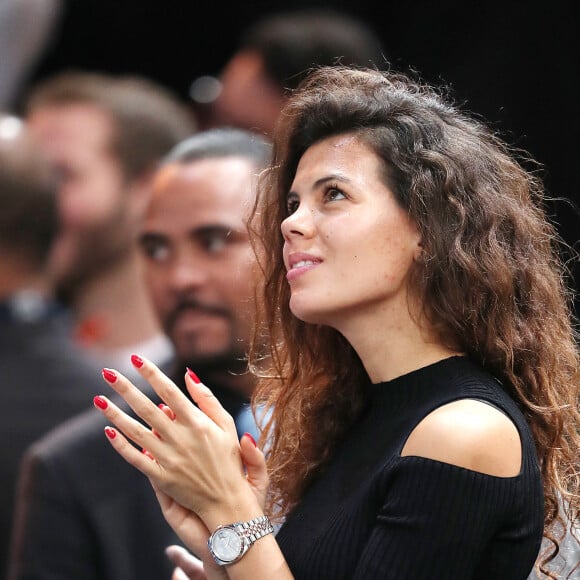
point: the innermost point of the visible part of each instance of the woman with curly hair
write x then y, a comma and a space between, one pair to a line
420, 375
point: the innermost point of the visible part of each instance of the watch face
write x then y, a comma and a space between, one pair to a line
227, 544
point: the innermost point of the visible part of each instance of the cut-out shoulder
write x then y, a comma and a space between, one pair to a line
471, 434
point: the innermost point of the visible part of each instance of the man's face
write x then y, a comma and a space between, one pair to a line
199, 264
92, 201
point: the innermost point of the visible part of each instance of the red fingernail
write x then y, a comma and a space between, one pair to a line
110, 432
100, 402
193, 376
251, 438
168, 410
109, 375
137, 361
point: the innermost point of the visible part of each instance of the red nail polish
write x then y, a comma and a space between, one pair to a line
109, 375
110, 432
251, 438
193, 376
167, 410
100, 402
137, 361
146, 453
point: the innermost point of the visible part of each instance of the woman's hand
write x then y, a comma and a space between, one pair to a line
197, 457
188, 567
187, 525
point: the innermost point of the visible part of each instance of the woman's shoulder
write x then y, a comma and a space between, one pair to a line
468, 433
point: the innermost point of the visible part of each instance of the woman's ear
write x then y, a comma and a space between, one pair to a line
419, 252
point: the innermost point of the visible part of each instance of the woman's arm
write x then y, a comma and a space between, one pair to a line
197, 469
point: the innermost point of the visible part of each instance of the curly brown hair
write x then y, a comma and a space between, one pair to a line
494, 280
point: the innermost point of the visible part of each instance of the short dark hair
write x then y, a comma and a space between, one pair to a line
28, 205
221, 142
295, 41
148, 119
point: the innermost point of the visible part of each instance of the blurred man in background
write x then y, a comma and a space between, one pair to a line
273, 56
200, 269
106, 135
45, 378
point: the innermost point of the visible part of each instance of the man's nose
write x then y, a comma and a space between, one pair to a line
188, 273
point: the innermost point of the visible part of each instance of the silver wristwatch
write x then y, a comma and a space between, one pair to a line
229, 543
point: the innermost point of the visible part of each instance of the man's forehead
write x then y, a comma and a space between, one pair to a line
221, 184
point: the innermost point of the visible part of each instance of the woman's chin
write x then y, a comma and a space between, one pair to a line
307, 313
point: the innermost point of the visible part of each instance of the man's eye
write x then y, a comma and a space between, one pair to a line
156, 252
216, 243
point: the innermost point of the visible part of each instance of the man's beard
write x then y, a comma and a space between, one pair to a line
232, 356
234, 363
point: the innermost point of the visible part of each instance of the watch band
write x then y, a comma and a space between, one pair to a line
255, 529
248, 533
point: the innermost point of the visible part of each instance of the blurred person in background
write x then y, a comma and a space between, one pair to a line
273, 56
105, 135
27, 29
199, 269
35, 332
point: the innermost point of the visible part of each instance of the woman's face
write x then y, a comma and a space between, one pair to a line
348, 245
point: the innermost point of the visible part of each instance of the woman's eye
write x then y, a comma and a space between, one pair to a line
333, 194
292, 206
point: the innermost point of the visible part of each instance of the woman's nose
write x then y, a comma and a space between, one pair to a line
299, 223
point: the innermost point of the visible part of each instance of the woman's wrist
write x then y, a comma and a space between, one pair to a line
241, 510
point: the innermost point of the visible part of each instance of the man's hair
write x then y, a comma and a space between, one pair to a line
28, 204
295, 41
148, 119
221, 142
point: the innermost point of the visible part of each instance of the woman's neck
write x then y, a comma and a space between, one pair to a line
392, 342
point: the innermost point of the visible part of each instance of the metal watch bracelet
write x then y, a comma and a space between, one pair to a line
229, 543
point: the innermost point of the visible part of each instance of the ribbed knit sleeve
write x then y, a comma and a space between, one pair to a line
437, 521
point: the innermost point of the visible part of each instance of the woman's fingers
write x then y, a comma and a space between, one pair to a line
127, 427
208, 403
141, 460
167, 410
171, 395
138, 401
179, 574
188, 567
255, 464
167, 390
188, 564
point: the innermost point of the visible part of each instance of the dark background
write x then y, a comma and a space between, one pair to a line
515, 63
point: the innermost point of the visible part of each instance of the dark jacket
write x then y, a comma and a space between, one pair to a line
45, 379
86, 514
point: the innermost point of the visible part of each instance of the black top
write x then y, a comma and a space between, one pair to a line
375, 514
